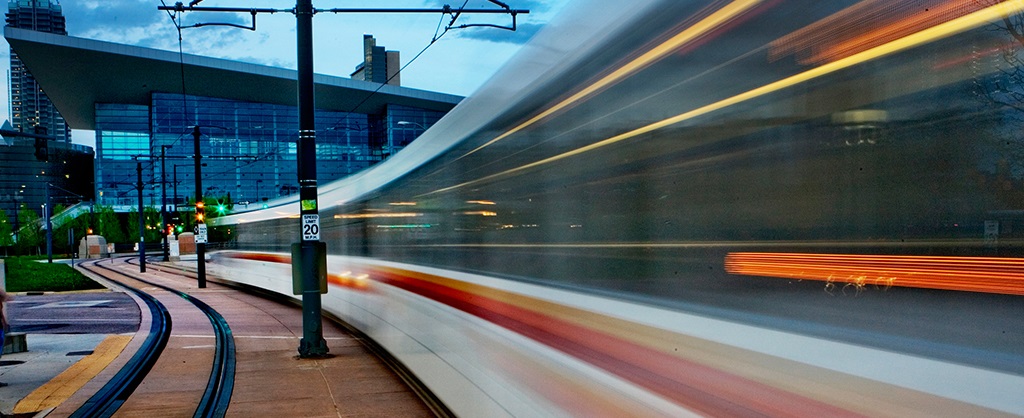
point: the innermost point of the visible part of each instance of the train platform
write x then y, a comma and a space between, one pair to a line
65, 365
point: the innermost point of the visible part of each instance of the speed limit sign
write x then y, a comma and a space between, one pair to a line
310, 227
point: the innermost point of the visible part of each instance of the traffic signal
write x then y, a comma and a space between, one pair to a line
42, 152
200, 213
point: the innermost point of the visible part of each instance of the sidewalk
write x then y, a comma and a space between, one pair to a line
48, 355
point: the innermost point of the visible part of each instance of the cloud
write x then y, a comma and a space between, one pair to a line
522, 34
94, 16
527, 25
134, 22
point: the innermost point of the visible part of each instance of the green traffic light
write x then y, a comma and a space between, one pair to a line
221, 209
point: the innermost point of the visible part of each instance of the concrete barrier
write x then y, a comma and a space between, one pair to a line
14, 342
93, 246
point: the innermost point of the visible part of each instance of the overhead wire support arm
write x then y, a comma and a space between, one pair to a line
445, 10
455, 13
179, 7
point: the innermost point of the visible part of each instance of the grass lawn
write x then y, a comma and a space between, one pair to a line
26, 274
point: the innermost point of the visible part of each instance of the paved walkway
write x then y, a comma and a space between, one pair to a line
270, 379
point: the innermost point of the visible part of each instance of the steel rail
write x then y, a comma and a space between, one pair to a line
219, 387
106, 401
432, 401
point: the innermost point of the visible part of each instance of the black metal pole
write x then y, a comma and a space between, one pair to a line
49, 226
142, 222
163, 200
310, 250
200, 232
177, 201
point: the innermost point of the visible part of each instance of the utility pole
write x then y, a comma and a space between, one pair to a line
142, 221
200, 230
163, 199
309, 255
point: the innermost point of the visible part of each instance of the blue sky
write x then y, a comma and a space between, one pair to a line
458, 63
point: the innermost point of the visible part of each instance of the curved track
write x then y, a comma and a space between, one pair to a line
109, 398
217, 395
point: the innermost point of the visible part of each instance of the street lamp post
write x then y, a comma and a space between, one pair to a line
142, 221
405, 122
258, 190
391, 144
163, 199
49, 226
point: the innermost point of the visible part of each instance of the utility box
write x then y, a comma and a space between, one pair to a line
309, 254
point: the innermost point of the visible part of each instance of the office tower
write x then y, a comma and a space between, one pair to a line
29, 105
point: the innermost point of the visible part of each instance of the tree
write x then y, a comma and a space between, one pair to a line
31, 234
109, 226
151, 220
6, 232
79, 226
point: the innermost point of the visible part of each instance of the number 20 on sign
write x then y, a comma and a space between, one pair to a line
310, 227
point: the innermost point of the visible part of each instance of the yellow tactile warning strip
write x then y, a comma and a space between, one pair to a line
60, 388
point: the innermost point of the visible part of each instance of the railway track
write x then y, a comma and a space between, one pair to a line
217, 395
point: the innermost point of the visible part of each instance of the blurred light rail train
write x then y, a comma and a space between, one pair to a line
729, 207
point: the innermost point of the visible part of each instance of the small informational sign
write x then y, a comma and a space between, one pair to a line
311, 227
991, 233
201, 234
309, 204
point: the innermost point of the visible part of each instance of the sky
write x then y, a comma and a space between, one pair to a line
458, 63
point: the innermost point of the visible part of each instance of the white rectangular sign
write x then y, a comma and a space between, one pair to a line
310, 227
201, 234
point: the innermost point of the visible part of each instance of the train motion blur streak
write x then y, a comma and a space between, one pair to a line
602, 228
972, 274
919, 38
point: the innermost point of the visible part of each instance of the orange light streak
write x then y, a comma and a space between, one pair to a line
711, 22
969, 274
378, 215
866, 25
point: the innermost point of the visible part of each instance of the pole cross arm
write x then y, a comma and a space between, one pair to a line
179, 7
444, 10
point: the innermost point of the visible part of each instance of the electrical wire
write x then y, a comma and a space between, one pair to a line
433, 40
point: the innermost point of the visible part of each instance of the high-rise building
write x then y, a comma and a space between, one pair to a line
31, 110
379, 65
246, 113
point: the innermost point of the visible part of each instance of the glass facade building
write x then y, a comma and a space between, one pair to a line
24, 179
31, 109
249, 149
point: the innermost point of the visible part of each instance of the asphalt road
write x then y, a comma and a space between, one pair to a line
74, 313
